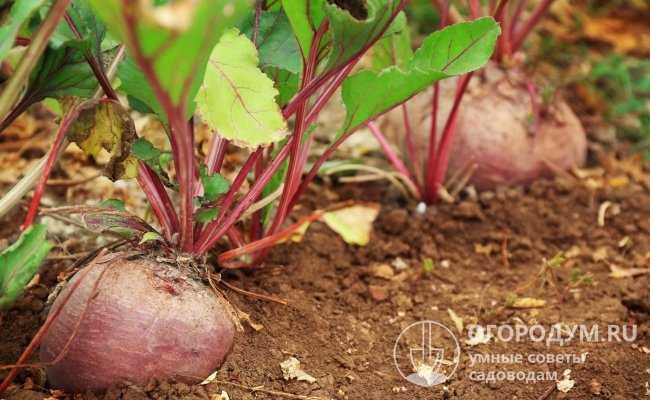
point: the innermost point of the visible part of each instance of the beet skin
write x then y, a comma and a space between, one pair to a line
147, 320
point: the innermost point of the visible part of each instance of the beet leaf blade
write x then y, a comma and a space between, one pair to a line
455, 50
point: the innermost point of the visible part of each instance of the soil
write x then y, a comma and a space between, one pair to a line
347, 304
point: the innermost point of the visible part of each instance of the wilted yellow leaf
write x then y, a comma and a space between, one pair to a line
354, 223
619, 272
528, 302
458, 321
107, 126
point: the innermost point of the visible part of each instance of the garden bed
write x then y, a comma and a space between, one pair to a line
346, 308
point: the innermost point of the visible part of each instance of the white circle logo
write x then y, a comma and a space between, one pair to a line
426, 353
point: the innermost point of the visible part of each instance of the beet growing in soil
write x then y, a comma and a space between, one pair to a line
161, 320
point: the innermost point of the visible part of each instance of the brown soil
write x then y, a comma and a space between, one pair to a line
342, 320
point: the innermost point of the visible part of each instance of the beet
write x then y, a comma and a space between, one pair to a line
146, 320
497, 131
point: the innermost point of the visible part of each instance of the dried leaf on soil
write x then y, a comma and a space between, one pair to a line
624, 34
354, 223
210, 378
619, 272
566, 383
458, 321
528, 302
291, 370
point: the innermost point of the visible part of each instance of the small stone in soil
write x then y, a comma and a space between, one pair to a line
383, 271
595, 387
378, 293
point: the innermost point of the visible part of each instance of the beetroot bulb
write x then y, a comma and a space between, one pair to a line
142, 320
498, 132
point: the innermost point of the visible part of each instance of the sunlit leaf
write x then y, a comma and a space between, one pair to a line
174, 39
236, 98
150, 237
354, 223
20, 261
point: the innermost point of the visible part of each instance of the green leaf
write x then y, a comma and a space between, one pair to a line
279, 52
305, 16
105, 125
143, 150
136, 86
459, 48
455, 50
286, 83
150, 237
394, 48
276, 44
236, 98
213, 186
206, 215
19, 14
91, 29
20, 261
115, 204
61, 72
175, 39
352, 31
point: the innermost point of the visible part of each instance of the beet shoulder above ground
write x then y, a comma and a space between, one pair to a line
511, 135
143, 320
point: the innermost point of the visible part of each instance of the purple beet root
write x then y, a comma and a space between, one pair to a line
508, 144
498, 133
146, 320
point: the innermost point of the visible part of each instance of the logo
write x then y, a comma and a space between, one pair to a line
426, 353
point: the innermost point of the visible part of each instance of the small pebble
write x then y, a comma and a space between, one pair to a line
421, 208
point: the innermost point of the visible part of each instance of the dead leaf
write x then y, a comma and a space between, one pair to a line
566, 383
291, 370
619, 181
210, 378
354, 223
458, 321
528, 302
600, 254
573, 252
399, 264
626, 35
619, 272
484, 249
106, 126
